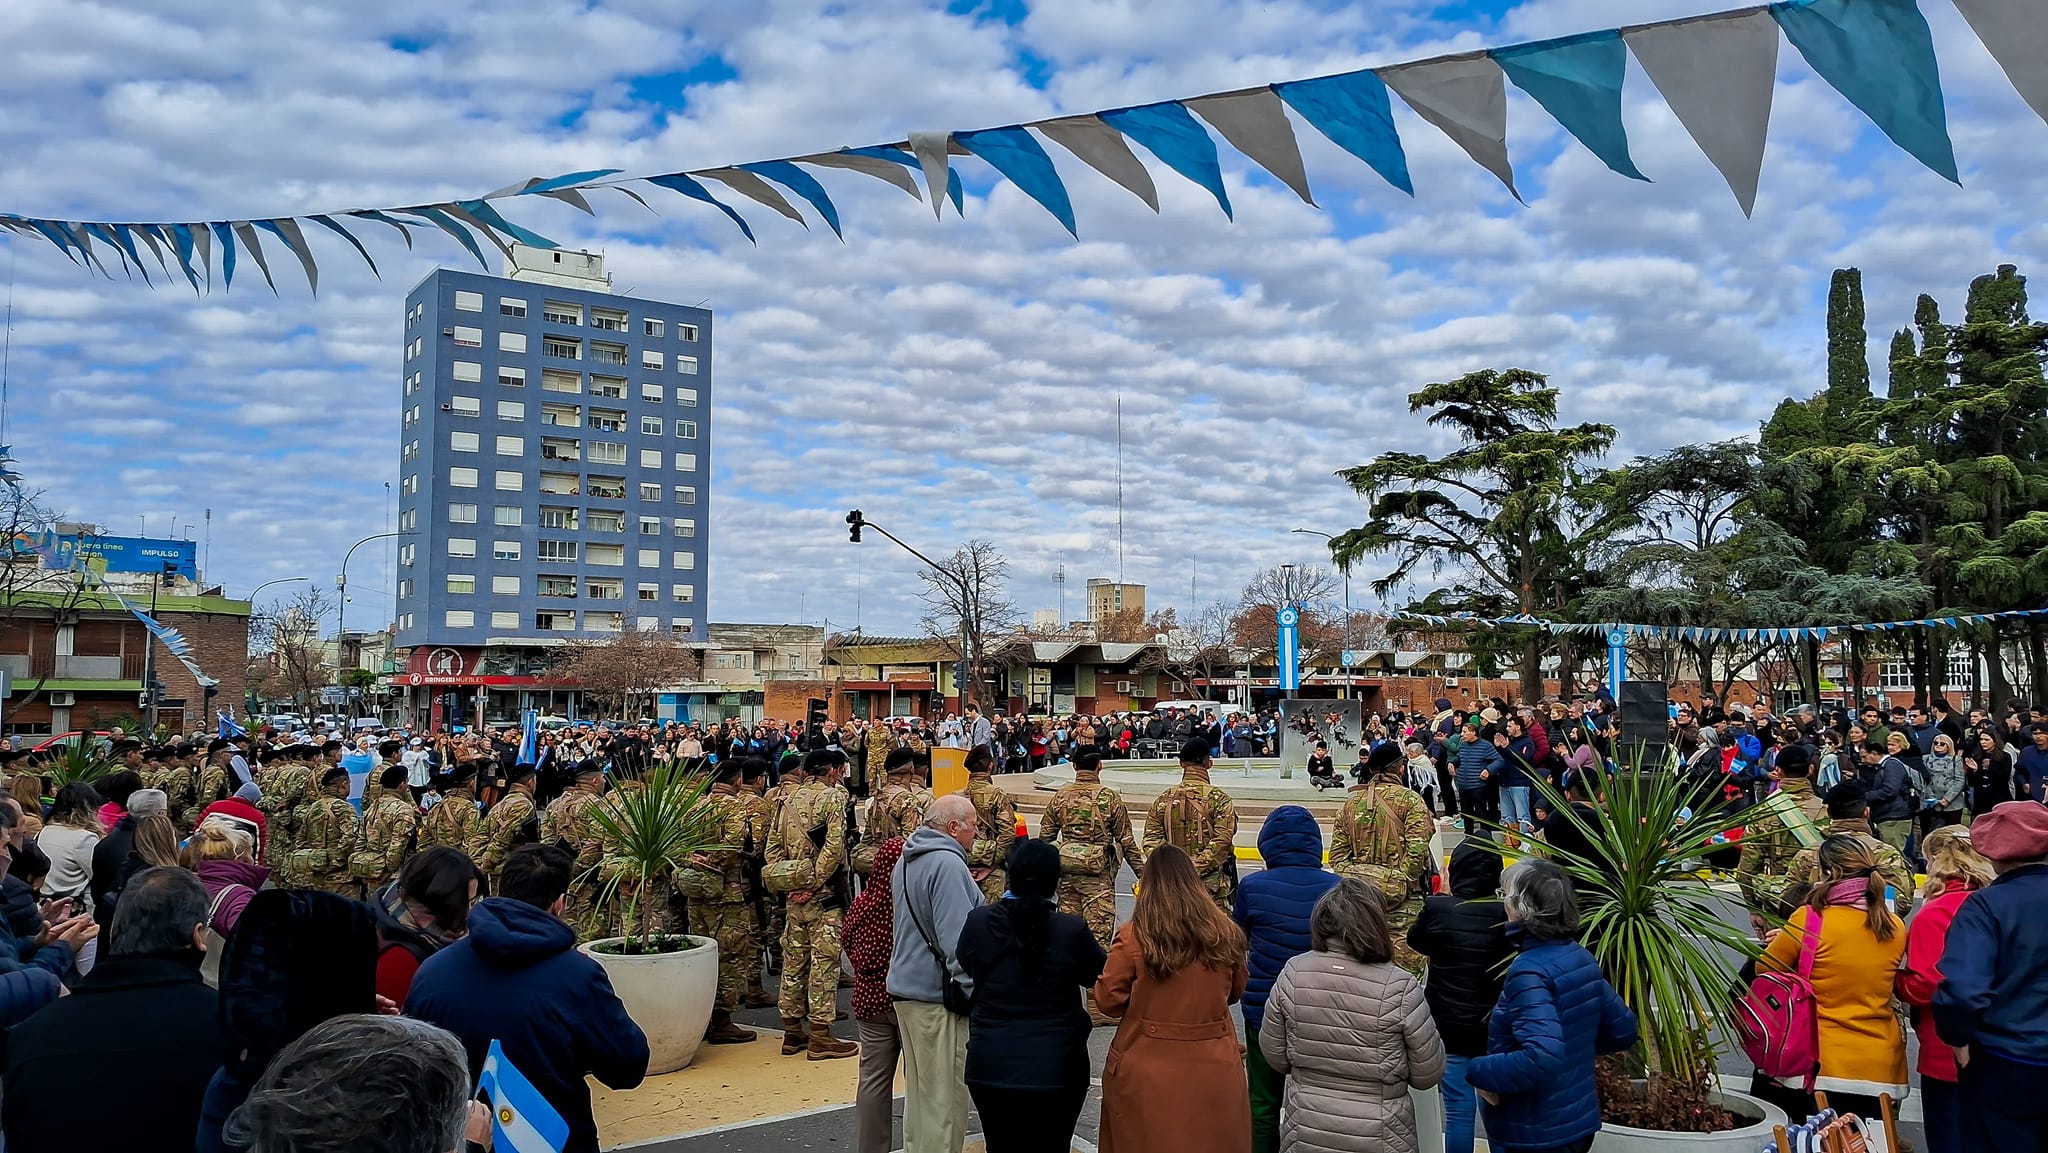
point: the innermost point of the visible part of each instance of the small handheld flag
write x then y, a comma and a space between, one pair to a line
529, 741
228, 728
522, 1121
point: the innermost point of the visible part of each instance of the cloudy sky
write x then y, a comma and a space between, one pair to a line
953, 379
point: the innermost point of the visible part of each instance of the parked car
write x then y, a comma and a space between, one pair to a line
66, 740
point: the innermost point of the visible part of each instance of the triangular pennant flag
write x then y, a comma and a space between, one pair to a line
890, 164
803, 184
226, 236
931, 150
246, 233
449, 225
1718, 75
1016, 154
1466, 97
1255, 123
756, 189
1170, 133
1102, 148
1880, 56
557, 183
688, 187
2017, 37
181, 235
404, 231
329, 223
287, 230
1354, 112
486, 216
458, 212
1577, 79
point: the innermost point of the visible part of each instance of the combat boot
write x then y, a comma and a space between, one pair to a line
757, 997
722, 1031
792, 1036
825, 1047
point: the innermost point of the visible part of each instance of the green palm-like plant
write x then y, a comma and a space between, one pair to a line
82, 762
1659, 934
652, 823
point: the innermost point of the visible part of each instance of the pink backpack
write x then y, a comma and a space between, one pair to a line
1779, 1019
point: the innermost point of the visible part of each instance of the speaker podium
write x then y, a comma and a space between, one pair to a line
1645, 726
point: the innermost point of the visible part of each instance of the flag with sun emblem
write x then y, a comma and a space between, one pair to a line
522, 1121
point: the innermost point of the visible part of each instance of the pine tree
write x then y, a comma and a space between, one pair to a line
1848, 364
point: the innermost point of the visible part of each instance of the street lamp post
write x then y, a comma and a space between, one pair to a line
341, 583
249, 694
1346, 573
856, 522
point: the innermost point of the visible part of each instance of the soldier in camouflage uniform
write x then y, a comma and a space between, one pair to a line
725, 916
454, 820
881, 742
504, 827
811, 826
896, 809
1381, 837
766, 907
328, 829
180, 787
289, 787
388, 833
1201, 820
995, 816
1083, 820
1770, 843
567, 823
1849, 812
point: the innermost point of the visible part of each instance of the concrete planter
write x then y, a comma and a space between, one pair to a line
1753, 1119
669, 995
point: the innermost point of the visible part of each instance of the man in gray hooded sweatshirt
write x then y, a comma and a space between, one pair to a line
934, 892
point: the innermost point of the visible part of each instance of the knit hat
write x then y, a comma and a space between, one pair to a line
1384, 755
148, 803
1034, 869
2012, 831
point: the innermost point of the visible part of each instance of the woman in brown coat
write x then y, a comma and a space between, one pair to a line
1174, 1078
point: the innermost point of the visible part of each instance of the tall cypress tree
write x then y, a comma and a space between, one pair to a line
1848, 365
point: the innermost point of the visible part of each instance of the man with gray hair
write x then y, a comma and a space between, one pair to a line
933, 893
363, 1084
142, 1019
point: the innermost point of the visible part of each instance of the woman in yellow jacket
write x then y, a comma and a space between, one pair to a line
1862, 1046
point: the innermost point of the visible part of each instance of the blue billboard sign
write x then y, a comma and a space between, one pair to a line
120, 554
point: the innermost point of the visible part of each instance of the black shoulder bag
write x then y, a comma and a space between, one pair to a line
956, 999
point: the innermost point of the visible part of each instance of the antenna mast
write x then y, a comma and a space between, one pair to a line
1119, 488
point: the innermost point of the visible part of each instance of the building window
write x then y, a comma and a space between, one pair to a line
462, 441
467, 371
682, 624
607, 420
651, 493
686, 462
607, 520
461, 583
687, 429
608, 319
412, 416
461, 514
603, 622
555, 622
411, 453
649, 558
605, 590
511, 410
459, 619
729, 661
559, 448
647, 592
687, 397
508, 516
461, 546
650, 426
410, 485
687, 365
561, 348
552, 380
561, 415
683, 594
686, 560
608, 555
686, 528
504, 550
406, 553
650, 327
505, 586
651, 393
555, 550
405, 589
469, 302
610, 387
502, 620
510, 481
560, 483
555, 312
552, 516
557, 586
405, 622
465, 406
607, 487
511, 446
603, 353
511, 377
512, 342
467, 337
686, 494
412, 384
687, 333
606, 452
650, 458
650, 526
652, 360
507, 306
462, 478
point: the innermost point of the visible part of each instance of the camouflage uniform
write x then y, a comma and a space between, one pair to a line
1805, 869
181, 794
388, 831
1091, 813
1381, 836
498, 834
896, 809
567, 823
1769, 846
881, 742
292, 786
810, 939
767, 914
727, 918
995, 816
1201, 819
452, 822
327, 837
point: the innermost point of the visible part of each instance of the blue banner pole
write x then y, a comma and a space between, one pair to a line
1617, 662
1290, 650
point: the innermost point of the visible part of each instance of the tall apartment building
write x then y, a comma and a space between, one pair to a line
1107, 597
554, 462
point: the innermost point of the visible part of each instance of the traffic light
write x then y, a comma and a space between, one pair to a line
853, 524
814, 717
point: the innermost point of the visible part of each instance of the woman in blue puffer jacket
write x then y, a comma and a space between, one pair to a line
1273, 907
1556, 1013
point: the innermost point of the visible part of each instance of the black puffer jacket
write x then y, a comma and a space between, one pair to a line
1464, 935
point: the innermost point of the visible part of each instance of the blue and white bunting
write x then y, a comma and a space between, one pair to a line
1695, 634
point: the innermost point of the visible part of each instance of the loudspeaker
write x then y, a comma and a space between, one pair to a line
1645, 724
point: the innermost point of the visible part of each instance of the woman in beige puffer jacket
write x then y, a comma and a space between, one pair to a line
1352, 1033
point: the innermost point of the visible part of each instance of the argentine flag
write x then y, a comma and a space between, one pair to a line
529, 740
228, 727
522, 1121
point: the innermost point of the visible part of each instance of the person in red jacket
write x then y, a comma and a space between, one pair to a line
1954, 871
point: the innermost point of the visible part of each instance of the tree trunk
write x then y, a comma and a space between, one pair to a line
1855, 671
1994, 664
1532, 669
1921, 663
2037, 658
1809, 672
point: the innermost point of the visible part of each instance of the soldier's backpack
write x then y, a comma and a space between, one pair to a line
1084, 835
797, 873
1188, 822
1376, 835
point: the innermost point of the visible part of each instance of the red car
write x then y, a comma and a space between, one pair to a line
71, 738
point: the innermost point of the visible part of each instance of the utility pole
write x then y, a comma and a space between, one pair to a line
856, 522
1345, 655
341, 613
